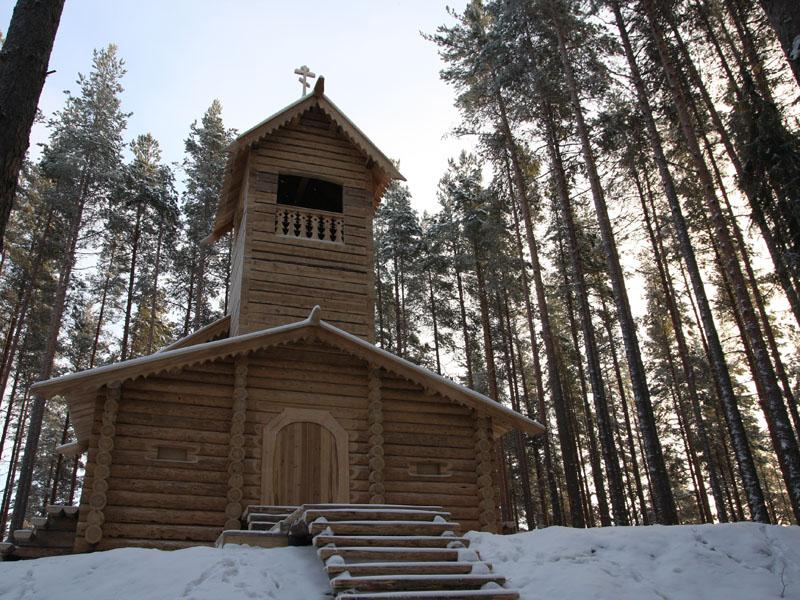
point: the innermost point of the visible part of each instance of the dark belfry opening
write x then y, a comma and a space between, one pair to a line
307, 192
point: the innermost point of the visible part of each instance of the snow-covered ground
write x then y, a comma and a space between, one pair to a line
727, 562
742, 561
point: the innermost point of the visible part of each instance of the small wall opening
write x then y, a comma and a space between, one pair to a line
173, 454
307, 192
430, 468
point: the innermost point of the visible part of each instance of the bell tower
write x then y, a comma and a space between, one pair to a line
300, 192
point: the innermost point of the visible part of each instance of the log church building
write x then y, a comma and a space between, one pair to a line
286, 400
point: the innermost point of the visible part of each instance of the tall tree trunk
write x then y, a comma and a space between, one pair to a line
784, 16
154, 300
568, 450
610, 458
513, 393
23, 69
398, 317
733, 418
594, 455
791, 401
9, 413
683, 347
187, 319
623, 397
29, 287
491, 378
12, 465
137, 228
379, 307
435, 324
666, 512
552, 485
465, 330
777, 418
48, 357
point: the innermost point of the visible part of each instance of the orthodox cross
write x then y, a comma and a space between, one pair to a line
305, 74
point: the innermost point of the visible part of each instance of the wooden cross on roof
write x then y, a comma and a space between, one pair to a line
305, 74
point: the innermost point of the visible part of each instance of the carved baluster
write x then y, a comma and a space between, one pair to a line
313, 225
338, 231
321, 228
296, 226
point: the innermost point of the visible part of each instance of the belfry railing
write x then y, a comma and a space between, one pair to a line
309, 224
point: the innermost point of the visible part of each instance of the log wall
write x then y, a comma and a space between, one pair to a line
164, 502
405, 446
282, 278
310, 376
424, 434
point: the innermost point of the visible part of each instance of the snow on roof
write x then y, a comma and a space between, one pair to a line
80, 388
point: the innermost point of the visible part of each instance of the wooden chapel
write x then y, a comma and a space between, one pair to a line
282, 402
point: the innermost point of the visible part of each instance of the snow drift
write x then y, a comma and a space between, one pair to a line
743, 561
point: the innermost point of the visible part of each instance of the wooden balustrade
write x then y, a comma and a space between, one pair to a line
309, 224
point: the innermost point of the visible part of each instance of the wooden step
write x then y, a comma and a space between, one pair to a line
261, 517
404, 583
39, 522
268, 509
406, 568
45, 538
394, 541
487, 594
424, 528
61, 510
23, 536
261, 525
363, 514
387, 554
26, 552
373, 506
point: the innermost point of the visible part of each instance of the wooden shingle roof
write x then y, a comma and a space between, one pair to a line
80, 389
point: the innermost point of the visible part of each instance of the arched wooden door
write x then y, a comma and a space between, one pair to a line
305, 467
305, 459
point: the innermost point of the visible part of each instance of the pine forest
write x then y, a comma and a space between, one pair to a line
615, 253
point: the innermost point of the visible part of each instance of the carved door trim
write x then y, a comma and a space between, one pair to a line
322, 418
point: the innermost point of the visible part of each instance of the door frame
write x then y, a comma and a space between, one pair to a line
322, 418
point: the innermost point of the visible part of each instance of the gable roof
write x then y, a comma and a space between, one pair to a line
382, 167
81, 388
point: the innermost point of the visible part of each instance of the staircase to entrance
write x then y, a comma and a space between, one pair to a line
379, 551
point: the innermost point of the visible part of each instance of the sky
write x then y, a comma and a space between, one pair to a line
181, 54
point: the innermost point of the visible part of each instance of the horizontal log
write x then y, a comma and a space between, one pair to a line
305, 156
326, 271
168, 403
132, 514
192, 424
167, 486
309, 169
192, 533
427, 451
191, 502
148, 446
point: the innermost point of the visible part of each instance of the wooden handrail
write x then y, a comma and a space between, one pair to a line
309, 224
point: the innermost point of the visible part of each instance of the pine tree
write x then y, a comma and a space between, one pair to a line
204, 266
82, 158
